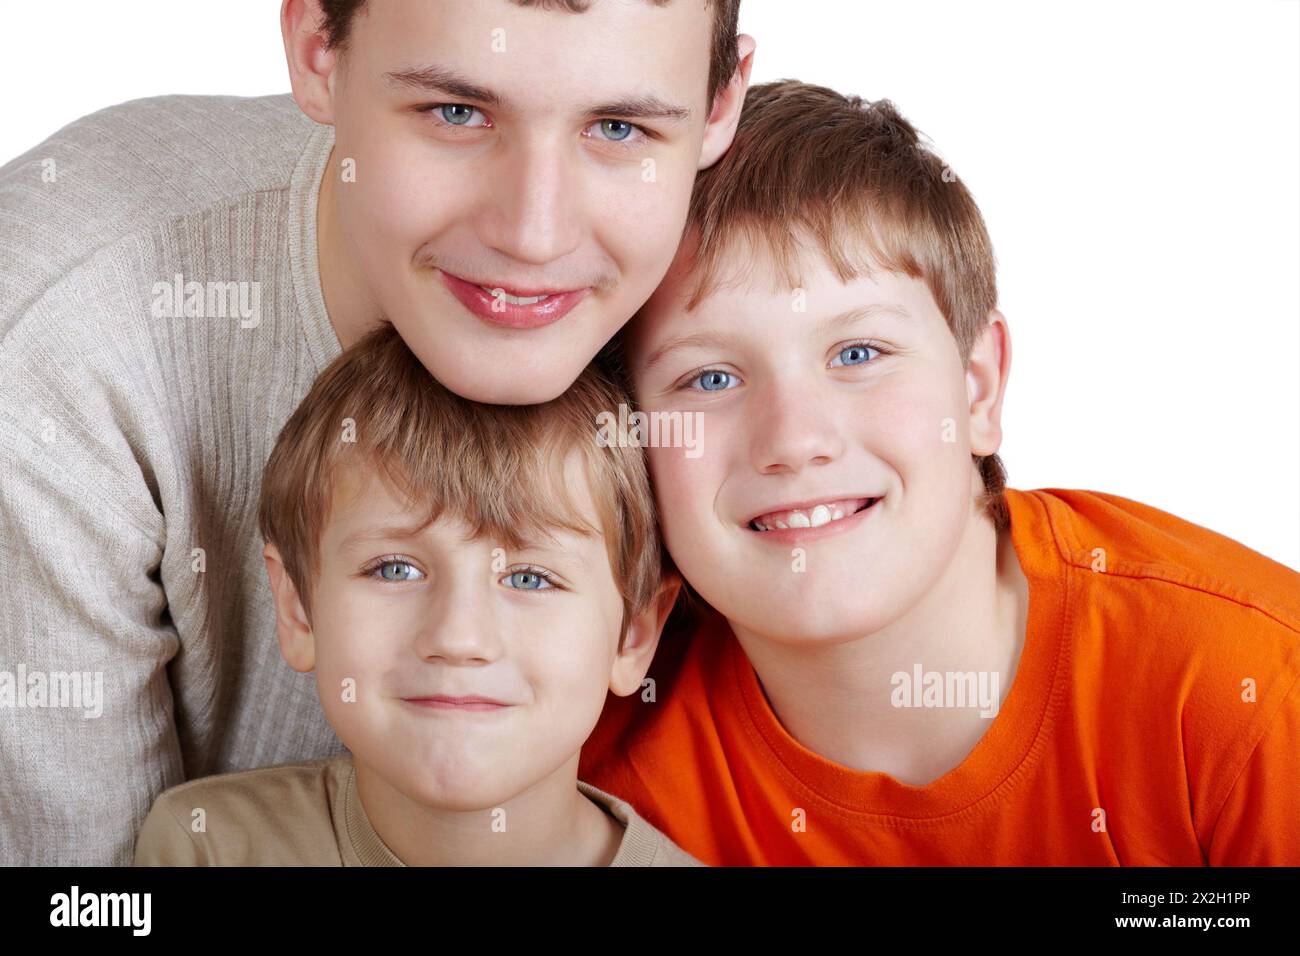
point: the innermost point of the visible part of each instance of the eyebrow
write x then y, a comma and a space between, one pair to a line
439, 79
379, 534
407, 532
537, 553
721, 341
647, 106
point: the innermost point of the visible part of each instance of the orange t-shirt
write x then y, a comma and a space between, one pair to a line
1153, 719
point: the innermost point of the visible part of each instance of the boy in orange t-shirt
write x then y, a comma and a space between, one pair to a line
902, 660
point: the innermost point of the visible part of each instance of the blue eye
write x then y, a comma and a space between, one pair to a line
530, 580
855, 354
616, 129
712, 380
395, 570
457, 114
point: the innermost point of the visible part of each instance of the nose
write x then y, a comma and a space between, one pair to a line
459, 628
534, 207
795, 429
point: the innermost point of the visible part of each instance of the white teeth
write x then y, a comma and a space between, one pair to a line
505, 296
812, 518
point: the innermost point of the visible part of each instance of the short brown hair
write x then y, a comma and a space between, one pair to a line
338, 16
499, 468
851, 174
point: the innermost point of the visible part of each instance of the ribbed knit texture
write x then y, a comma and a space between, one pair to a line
128, 441
310, 814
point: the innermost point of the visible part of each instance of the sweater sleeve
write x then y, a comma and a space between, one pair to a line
1259, 824
87, 736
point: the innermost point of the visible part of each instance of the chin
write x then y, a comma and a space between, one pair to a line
841, 618
511, 393
456, 789
804, 633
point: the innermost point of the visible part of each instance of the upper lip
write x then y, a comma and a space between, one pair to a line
453, 699
520, 291
807, 504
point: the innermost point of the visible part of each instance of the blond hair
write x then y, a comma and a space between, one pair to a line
852, 175
499, 468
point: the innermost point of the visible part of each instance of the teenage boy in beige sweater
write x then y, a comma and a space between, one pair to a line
176, 271
463, 580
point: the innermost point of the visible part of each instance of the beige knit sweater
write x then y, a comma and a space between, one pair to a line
133, 431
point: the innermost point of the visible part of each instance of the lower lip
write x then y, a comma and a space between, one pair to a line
476, 707
791, 536
487, 307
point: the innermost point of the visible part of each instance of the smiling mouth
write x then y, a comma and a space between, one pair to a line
820, 514
510, 299
518, 309
443, 702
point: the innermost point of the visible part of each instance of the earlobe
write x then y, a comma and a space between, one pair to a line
292, 625
643, 633
987, 371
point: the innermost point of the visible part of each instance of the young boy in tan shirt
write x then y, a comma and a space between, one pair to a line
464, 580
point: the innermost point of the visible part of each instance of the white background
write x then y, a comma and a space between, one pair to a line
1138, 165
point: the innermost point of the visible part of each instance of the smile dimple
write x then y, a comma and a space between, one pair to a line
814, 517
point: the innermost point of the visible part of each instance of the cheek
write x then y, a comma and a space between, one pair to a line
344, 675
404, 190
356, 636
639, 222
567, 664
916, 423
684, 488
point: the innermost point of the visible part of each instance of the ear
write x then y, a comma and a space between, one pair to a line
292, 627
986, 381
725, 112
642, 639
311, 66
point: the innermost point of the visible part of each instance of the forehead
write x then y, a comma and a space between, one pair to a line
363, 501
545, 59
751, 288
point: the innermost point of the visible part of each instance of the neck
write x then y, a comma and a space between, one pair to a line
549, 824
837, 700
352, 310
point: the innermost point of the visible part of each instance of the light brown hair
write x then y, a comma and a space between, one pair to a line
855, 177
499, 468
723, 59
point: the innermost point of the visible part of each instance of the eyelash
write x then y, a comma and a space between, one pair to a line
370, 569
631, 141
692, 377
548, 576
434, 110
